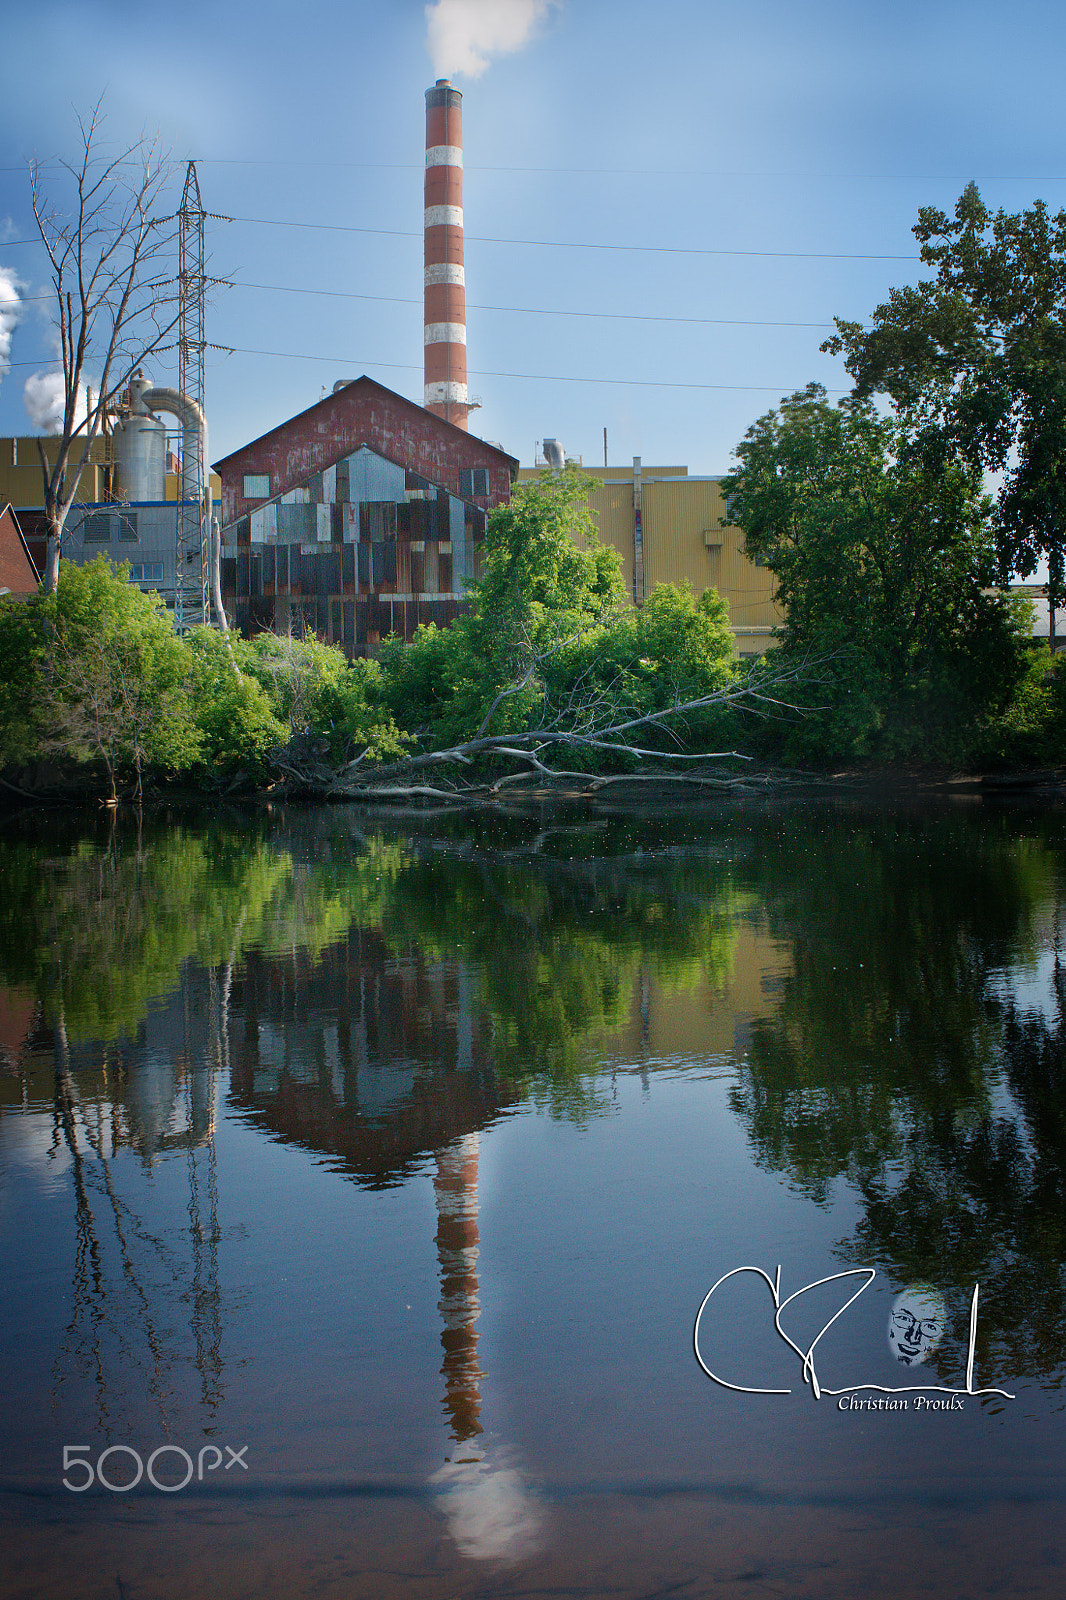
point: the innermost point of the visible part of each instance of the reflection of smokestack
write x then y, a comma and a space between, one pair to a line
457, 1251
445, 333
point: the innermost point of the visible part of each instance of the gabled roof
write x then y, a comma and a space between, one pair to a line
325, 414
18, 571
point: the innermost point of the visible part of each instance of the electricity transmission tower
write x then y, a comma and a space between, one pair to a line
194, 534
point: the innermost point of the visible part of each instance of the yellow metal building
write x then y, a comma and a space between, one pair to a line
20, 472
666, 527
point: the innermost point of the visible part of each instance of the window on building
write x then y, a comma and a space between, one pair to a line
257, 485
146, 572
103, 526
474, 481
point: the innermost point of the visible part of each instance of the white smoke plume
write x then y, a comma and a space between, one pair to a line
461, 35
44, 395
10, 315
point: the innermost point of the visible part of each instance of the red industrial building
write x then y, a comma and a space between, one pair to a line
18, 571
357, 518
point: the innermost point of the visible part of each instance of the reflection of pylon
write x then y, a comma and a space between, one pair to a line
457, 1251
204, 1234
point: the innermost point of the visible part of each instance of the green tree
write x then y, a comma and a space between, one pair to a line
981, 347
552, 647
883, 553
238, 727
315, 691
114, 683
548, 587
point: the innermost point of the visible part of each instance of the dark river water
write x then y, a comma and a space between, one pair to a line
374, 1193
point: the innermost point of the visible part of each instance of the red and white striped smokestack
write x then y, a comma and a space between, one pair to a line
445, 335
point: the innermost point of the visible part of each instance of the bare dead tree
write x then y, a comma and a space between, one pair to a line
114, 300
596, 722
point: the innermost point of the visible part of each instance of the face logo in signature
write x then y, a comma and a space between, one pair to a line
916, 1327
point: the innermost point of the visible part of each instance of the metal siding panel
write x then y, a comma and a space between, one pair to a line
371, 477
677, 518
294, 524
612, 507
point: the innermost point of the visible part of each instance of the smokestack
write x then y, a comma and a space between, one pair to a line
445, 332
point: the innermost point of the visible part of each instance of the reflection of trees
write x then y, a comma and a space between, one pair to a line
887, 1063
985, 1202
98, 929
561, 924
130, 1280
562, 931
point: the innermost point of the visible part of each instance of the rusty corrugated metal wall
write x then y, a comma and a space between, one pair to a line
363, 549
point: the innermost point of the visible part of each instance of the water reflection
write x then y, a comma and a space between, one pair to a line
491, 1510
132, 1275
378, 995
894, 1063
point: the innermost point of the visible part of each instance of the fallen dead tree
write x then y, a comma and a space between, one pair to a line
592, 726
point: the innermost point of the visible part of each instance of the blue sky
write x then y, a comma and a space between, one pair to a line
768, 159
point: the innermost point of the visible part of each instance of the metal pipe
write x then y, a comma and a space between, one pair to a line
195, 479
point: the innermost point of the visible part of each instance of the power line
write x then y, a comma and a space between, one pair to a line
535, 311
535, 377
563, 244
526, 311
791, 175
577, 244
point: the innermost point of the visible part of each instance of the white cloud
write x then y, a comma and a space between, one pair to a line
43, 395
10, 315
462, 35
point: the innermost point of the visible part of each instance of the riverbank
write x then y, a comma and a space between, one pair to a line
47, 784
